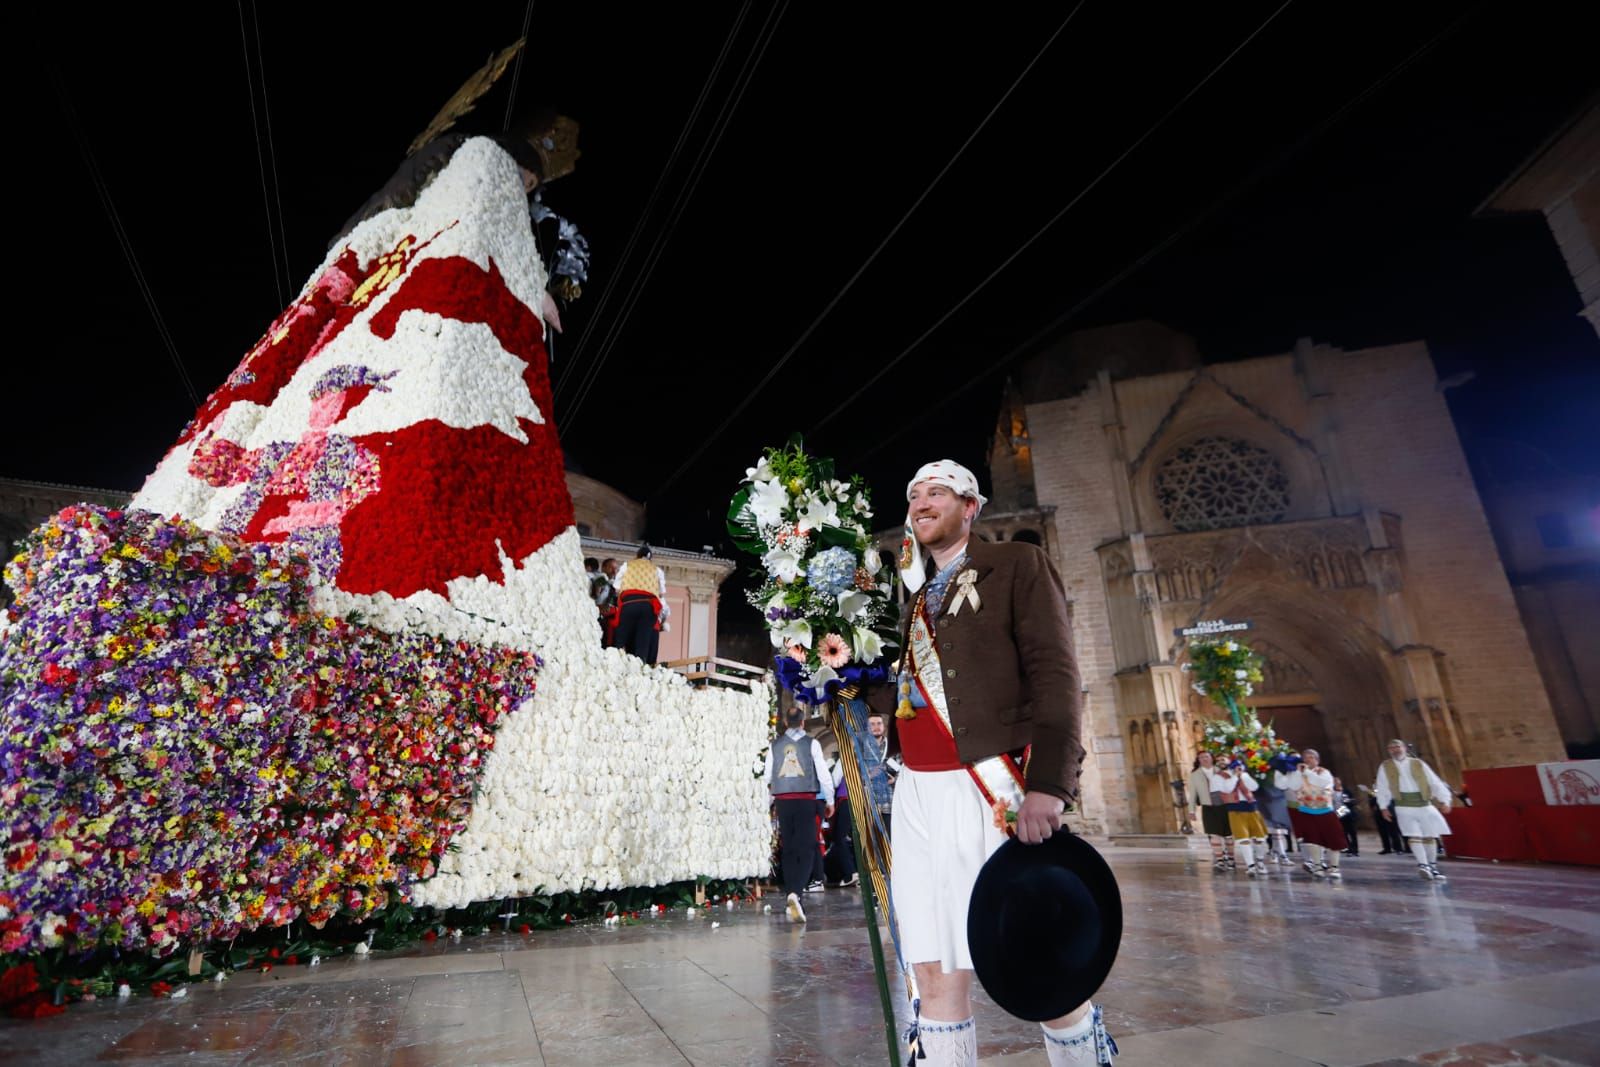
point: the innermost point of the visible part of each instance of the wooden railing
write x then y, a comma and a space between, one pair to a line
714, 670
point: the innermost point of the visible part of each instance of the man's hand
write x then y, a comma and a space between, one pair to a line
1444, 809
829, 815
1039, 818
1387, 814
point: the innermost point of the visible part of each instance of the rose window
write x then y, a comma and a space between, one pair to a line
1217, 482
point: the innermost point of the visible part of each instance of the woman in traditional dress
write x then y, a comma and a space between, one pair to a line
1315, 819
1213, 816
1237, 790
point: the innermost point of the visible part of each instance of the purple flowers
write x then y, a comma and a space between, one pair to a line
187, 750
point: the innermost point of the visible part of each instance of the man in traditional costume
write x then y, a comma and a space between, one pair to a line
1421, 801
641, 589
987, 719
796, 776
1213, 816
1316, 822
1237, 791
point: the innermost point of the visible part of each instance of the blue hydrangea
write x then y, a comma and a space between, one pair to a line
832, 571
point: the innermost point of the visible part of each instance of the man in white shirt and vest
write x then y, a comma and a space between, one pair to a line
1421, 801
795, 774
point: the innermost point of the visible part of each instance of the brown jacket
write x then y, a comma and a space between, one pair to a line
1010, 677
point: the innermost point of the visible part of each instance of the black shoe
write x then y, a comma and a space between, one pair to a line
813, 887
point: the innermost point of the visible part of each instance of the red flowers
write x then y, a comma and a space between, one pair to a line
56, 675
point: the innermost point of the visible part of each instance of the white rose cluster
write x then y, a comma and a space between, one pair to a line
614, 774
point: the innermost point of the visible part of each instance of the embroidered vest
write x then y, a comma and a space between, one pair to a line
795, 772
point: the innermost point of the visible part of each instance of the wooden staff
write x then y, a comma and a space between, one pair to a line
872, 853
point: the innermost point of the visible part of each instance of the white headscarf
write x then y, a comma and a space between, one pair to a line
953, 476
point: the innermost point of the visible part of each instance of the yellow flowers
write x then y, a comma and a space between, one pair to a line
366, 840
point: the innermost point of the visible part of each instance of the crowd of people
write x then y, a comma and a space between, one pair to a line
631, 602
1254, 823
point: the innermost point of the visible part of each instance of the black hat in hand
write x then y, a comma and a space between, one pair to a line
1044, 925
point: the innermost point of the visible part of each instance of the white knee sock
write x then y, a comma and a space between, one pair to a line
1242, 850
1331, 858
1279, 844
1420, 850
948, 1044
1432, 846
1313, 853
1070, 1045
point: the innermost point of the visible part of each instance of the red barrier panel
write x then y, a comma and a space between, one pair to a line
1564, 834
1489, 833
1504, 785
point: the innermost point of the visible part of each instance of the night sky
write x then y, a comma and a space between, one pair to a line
1354, 233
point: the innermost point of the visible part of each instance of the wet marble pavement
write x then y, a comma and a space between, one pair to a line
1501, 965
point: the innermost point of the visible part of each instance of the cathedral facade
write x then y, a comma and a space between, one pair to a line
1322, 498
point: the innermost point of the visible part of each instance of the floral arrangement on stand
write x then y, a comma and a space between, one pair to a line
823, 594
1226, 672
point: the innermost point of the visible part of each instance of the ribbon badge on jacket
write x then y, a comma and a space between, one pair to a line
966, 592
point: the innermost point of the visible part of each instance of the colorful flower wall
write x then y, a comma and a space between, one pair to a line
190, 751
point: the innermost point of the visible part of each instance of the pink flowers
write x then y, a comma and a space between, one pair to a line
797, 653
833, 651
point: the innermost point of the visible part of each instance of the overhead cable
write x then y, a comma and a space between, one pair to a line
850, 282
123, 241
1057, 217
720, 126
620, 266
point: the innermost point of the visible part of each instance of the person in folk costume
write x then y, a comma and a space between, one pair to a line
988, 715
1237, 789
1421, 801
1213, 815
1274, 806
1315, 814
641, 588
801, 790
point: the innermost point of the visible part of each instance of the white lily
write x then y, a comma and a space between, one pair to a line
853, 604
868, 645
873, 562
818, 512
797, 631
767, 501
783, 564
761, 472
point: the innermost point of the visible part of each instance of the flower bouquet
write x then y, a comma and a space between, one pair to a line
1225, 672
1248, 740
826, 607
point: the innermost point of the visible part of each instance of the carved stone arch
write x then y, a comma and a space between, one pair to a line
1337, 659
